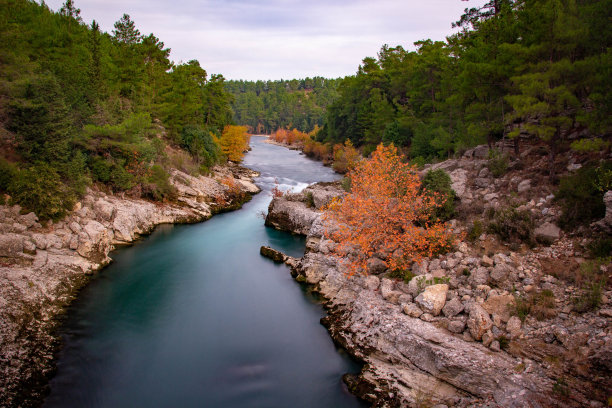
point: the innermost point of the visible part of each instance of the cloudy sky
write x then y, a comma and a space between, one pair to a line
279, 39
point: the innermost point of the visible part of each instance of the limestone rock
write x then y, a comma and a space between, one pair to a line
547, 233
433, 298
458, 181
372, 282
412, 310
456, 326
500, 305
606, 222
478, 322
523, 186
376, 266
292, 216
28, 219
479, 276
453, 307
323, 193
500, 273
514, 326
11, 245
387, 291
272, 253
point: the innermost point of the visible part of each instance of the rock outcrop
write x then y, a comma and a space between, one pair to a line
43, 266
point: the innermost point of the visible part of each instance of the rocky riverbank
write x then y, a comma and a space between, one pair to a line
489, 324
43, 266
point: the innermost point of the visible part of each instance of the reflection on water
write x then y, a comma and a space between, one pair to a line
193, 316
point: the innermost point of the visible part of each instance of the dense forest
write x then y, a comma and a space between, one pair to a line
81, 106
523, 68
265, 106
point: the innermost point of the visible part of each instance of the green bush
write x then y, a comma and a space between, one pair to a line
498, 163
475, 230
511, 225
159, 187
580, 197
600, 247
438, 181
7, 174
40, 189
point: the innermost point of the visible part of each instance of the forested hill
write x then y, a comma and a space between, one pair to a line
532, 68
266, 106
82, 106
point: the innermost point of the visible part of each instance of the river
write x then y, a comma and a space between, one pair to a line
193, 316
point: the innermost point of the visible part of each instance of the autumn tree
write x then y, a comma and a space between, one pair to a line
386, 215
234, 141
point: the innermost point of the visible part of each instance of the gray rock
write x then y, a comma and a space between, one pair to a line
499, 274
11, 245
292, 216
547, 233
433, 298
75, 227
500, 305
484, 172
606, 223
372, 282
453, 307
524, 186
514, 326
28, 220
478, 322
487, 338
479, 276
481, 152
376, 266
418, 283
456, 326
104, 210
412, 310
458, 181
486, 261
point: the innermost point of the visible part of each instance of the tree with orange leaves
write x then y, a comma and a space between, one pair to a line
386, 215
234, 141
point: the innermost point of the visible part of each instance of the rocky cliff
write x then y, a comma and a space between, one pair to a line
42, 267
489, 324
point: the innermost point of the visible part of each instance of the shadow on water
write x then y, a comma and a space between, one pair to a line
194, 316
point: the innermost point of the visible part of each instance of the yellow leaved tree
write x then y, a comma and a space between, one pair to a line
234, 142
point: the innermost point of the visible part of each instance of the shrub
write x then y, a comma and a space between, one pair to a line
592, 281
475, 230
580, 197
600, 247
540, 305
404, 274
7, 173
439, 182
381, 214
310, 199
40, 189
159, 187
511, 225
498, 163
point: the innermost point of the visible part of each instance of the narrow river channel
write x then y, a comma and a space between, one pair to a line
193, 316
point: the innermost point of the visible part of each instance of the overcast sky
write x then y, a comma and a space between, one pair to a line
279, 39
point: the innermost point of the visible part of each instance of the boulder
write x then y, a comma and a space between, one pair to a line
433, 298
606, 222
523, 186
376, 266
458, 181
292, 216
479, 276
412, 310
104, 210
272, 253
456, 326
453, 307
323, 193
372, 282
418, 283
547, 233
500, 305
387, 291
28, 220
478, 321
481, 152
11, 245
500, 273
514, 326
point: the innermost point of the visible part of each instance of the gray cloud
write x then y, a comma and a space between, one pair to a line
273, 39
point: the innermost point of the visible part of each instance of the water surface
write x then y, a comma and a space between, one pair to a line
193, 316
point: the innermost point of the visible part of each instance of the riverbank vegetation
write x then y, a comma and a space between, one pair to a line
82, 106
387, 215
266, 106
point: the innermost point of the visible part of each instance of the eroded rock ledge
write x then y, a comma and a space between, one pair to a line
450, 336
43, 267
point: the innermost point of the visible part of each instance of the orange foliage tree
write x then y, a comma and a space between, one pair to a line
386, 215
345, 156
234, 142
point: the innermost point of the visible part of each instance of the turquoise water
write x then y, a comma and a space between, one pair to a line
193, 316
